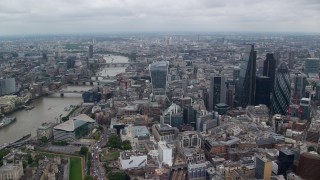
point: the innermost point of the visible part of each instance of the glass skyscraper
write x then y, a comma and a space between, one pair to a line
282, 91
269, 67
7, 86
158, 74
312, 66
217, 93
246, 84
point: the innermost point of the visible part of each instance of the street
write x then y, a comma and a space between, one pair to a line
97, 169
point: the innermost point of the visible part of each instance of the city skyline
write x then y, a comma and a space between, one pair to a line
72, 17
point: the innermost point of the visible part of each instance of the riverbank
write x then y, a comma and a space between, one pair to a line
46, 109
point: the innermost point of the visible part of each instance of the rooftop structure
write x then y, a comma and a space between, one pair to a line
132, 159
73, 128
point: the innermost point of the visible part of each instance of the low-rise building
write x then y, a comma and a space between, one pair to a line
132, 159
73, 129
164, 132
11, 171
45, 130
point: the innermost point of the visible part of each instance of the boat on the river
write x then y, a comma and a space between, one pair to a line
67, 108
29, 107
6, 121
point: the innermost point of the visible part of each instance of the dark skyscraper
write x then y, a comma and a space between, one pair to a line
190, 116
246, 84
269, 67
263, 90
277, 57
281, 91
300, 82
217, 93
90, 53
291, 60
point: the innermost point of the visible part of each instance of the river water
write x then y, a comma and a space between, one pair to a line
113, 71
46, 110
49, 108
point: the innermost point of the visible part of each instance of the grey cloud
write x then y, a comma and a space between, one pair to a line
47, 16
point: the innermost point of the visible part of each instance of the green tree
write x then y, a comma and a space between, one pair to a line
30, 160
44, 139
84, 151
311, 148
117, 176
97, 136
114, 141
126, 145
24, 164
88, 178
2, 154
107, 168
269, 123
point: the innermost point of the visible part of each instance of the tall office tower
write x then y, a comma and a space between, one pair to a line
300, 82
246, 84
312, 66
7, 86
285, 161
263, 90
217, 92
190, 116
263, 167
277, 57
281, 91
206, 98
90, 53
269, 67
158, 74
236, 73
305, 107
291, 60
230, 95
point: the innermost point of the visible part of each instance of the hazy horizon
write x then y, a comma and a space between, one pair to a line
35, 17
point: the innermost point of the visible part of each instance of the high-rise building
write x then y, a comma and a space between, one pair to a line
90, 53
277, 57
7, 86
246, 84
281, 91
300, 82
263, 167
291, 60
190, 116
305, 107
217, 93
269, 67
263, 90
159, 73
312, 66
236, 73
285, 161
230, 95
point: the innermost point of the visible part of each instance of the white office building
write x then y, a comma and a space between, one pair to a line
132, 159
165, 153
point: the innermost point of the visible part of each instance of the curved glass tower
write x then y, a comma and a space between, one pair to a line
282, 91
159, 73
246, 84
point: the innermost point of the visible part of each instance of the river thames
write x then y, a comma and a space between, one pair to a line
49, 108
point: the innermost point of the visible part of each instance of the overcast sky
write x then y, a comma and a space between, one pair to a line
105, 16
